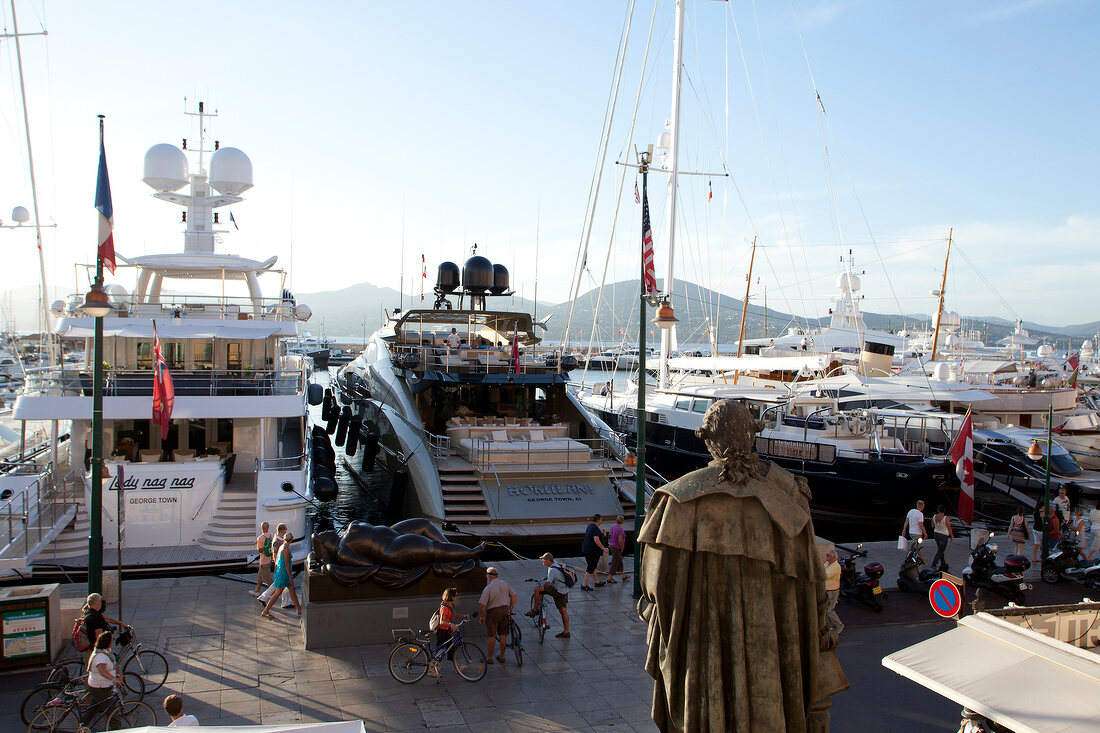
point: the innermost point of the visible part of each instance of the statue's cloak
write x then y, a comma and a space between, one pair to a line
737, 614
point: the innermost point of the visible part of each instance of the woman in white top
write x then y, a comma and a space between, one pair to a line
941, 530
103, 675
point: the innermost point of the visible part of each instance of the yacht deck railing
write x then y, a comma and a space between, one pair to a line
65, 380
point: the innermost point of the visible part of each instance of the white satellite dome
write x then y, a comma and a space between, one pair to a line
117, 293
20, 215
941, 372
57, 307
953, 341
847, 281
230, 171
1045, 350
950, 319
1086, 345
303, 312
904, 333
165, 168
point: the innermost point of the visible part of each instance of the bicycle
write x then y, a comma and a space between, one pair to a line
66, 714
150, 664
542, 623
515, 639
413, 656
44, 692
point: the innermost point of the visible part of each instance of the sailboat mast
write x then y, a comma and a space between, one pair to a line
745, 306
674, 169
943, 284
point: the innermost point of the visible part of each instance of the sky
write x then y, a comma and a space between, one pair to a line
383, 132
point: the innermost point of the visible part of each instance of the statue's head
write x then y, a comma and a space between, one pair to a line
729, 431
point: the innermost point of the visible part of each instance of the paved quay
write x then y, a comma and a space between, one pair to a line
235, 668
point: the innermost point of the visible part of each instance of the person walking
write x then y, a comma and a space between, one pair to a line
276, 543
1054, 532
173, 705
1037, 519
617, 541
943, 534
593, 549
446, 628
1062, 505
1017, 531
263, 545
832, 590
1094, 530
1077, 526
556, 588
282, 577
913, 526
496, 602
103, 675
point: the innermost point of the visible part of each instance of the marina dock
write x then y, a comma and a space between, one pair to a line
233, 667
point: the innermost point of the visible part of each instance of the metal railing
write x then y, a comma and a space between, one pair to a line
187, 382
281, 463
439, 445
29, 513
497, 360
557, 452
180, 305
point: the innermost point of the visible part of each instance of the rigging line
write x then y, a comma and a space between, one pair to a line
763, 143
844, 163
600, 162
779, 283
782, 148
1010, 309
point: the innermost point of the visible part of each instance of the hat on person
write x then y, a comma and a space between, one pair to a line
490, 570
546, 556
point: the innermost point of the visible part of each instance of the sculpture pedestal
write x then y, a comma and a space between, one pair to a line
338, 616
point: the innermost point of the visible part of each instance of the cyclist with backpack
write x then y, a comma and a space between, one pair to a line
92, 623
559, 579
443, 624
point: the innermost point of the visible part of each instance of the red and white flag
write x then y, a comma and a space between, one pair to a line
515, 349
105, 209
962, 455
710, 192
637, 198
648, 271
164, 393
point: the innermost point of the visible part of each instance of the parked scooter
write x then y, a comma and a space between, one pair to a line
910, 575
864, 587
1068, 562
1006, 580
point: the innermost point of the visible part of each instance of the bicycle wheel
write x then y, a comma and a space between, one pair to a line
469, 662
408, 663
541, 621
39, 696
132, 714
55, 719
515, 638
66, 671
151, 665
133, 685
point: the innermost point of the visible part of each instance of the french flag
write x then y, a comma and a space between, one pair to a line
105, 209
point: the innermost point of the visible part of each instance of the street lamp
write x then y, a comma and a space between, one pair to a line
97, 305
1035, 453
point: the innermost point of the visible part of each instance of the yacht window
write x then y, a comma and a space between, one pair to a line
204, 356
144, 358
700, 405
684, 404
173, 353
233, 356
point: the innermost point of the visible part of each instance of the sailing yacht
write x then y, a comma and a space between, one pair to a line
237, 449
471, 418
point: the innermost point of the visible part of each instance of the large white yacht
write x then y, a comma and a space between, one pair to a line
237, 448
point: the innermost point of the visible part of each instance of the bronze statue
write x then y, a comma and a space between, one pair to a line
393, 557
737, 634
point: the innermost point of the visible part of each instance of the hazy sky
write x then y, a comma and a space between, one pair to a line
441, 124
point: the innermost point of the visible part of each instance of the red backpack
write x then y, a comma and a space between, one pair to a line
80, 635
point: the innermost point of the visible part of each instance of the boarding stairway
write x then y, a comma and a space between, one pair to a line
34, 513
463, 499
233, 527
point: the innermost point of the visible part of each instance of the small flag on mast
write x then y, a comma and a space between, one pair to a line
637, 198
710, 192
106, 211
648, 270
233, 221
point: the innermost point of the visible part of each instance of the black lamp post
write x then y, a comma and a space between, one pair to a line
97, 305
1036, 453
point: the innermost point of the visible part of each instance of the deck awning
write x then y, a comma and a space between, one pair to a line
748, 363
1018, 677
176, 328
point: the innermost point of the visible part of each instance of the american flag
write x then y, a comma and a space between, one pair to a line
105, 209
164, 392
649, 273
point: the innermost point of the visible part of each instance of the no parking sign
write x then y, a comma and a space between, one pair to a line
945, 598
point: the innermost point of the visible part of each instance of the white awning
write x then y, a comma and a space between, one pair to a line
172, 329
748, 363
1011, 674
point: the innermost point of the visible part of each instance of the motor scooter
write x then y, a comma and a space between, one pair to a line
1006, 580
1067, 561
910, 575
862, 586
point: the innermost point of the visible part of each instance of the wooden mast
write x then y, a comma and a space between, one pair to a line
745, 307
943, 284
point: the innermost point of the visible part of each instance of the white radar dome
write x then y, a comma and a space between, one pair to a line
1045, 350
904, 333
165, 168
1086, 345
950, 319
953, 341
303, 312
57, 307
941, 372
230, 171
117, 293
847, 281
20, 215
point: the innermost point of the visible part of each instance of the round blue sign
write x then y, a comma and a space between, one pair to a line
945, 598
